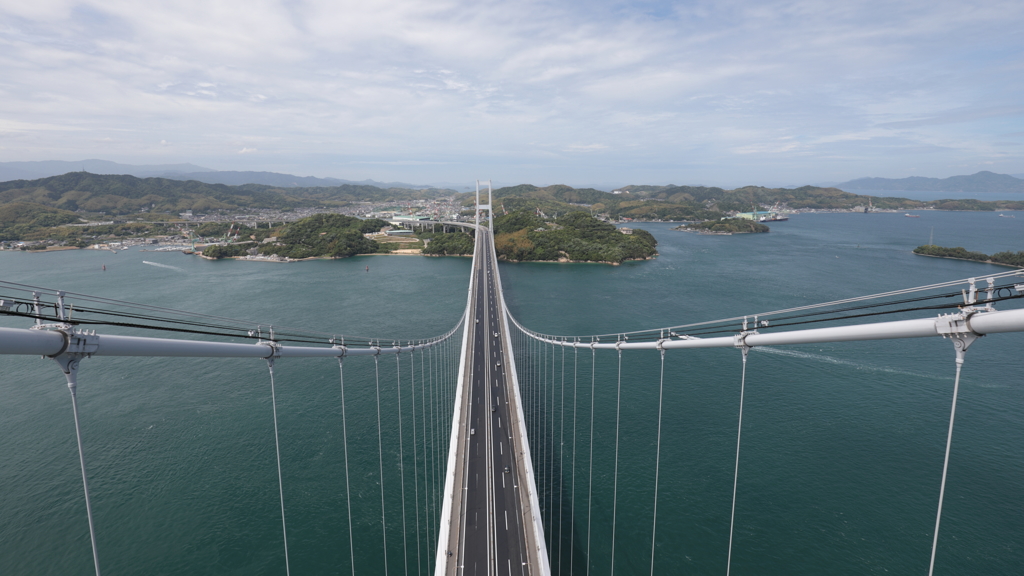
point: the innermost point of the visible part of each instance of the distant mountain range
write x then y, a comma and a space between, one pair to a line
980, 182
45, 169
233, 178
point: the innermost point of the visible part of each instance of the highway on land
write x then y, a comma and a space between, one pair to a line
493, 537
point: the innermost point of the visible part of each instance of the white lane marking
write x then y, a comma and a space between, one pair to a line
499, 421
501, 448
506, 530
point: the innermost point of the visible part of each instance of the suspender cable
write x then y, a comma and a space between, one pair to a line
438, 383
380, 462
538, 415
70, 374
590, 475
572, 514
535, 408
435, 385
561, 459
426, 475
401, 460
531, 404
657, 458
453, 373
429, 386
736, 469
551, 459
344, 439
433, 434
415, 464
277, 450
542, 489
945, 462
615, 482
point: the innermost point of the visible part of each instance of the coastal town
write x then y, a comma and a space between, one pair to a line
184, 231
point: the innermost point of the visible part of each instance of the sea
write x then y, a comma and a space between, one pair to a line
926, 195
842, 444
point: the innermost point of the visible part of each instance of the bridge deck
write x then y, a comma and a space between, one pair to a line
493, 526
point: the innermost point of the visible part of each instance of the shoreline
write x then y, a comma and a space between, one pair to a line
290, 260
968, 260
567, 261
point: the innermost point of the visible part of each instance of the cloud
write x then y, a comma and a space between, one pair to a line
799, 90
967, 114
585, 147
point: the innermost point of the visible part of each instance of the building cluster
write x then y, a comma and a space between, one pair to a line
445, 208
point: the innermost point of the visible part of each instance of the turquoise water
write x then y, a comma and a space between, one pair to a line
842, 449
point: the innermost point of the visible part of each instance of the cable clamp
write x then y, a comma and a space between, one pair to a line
275, 349
956, 324
740, 340
957, 327
77, 343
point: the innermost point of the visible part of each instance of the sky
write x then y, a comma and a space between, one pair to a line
604, 93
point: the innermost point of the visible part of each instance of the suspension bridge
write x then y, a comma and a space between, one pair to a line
482, 422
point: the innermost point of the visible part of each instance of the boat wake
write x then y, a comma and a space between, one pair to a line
163, 266
840, 362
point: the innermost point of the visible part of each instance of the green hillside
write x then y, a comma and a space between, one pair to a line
121, 194
320, 235
698, 203
577, 236
21, 219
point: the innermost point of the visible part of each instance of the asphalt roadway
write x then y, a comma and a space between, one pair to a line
493, 540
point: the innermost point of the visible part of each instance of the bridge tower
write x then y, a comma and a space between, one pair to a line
480, 207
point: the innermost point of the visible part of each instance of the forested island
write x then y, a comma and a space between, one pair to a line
1015, 259
726, 226
523, 236
519, 237
318, 236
